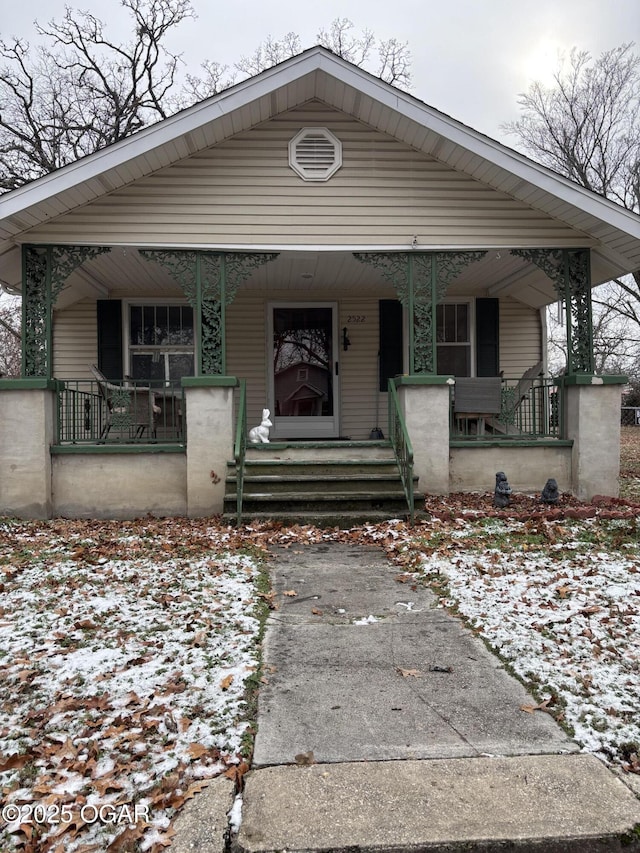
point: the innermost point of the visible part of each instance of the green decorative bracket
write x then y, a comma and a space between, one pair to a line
421, 280
209, 281
569, 270
45, 270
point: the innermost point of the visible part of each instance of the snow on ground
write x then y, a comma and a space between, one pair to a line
123, 684
564, 614
125, 650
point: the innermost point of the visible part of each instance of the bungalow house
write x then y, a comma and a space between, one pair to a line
317, 243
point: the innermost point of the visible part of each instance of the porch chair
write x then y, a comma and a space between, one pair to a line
477, 399
514, 398
126, 407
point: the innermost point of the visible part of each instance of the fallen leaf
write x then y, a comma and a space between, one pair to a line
195, 788
316, 612
291, 593
409, 673
305, 758
226, 682
543, 706
196, 750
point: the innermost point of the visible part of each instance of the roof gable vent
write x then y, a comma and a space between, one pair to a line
315, 154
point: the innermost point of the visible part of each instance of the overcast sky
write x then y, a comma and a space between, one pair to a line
471, 58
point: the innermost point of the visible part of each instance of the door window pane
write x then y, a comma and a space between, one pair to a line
303, 361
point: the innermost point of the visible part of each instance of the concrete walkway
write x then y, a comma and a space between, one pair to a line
385, 725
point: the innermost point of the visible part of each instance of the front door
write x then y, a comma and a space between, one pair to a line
303, 370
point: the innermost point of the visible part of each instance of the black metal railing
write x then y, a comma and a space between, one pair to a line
528, 410
127, 412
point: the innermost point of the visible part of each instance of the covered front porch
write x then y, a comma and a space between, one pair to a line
97, 441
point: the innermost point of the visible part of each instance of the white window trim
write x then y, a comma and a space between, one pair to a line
471, 302
126, 330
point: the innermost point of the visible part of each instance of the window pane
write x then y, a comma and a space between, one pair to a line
180, 364
148, 322
135, 325
452, 323
454, 360
162, 325
462, 323
147, 367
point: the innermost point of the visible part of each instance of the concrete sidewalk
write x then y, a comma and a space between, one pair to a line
385, 725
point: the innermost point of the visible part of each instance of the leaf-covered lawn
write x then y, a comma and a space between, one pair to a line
124, 651
126, 648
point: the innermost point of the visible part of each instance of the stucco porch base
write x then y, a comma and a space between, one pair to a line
39, 479
527, 468
119, 485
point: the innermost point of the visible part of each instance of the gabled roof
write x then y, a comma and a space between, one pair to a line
319, 74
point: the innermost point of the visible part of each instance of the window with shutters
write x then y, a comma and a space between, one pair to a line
315, 154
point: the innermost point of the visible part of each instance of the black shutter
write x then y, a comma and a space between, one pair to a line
110, 338
487, 337
390, 312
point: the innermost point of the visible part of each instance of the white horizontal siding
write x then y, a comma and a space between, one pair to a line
243, 192
75, 340
520, 338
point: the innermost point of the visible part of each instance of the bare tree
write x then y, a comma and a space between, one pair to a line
79, 92
82, 91
393, 66
10, 337
586, 126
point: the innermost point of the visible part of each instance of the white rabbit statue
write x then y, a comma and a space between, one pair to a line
261, 433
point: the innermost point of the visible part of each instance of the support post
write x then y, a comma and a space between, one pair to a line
592, 418
424, 401
27, 428
209, 411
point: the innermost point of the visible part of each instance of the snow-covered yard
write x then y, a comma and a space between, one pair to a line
126, 649
124, 653
560, 602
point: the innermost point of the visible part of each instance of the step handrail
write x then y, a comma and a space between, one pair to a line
402, 447
240, 448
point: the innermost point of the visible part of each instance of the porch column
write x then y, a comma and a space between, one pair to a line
592, 418
209, 281
421, 280
570, 272
209, 416
425, 407
45, 269
27, 429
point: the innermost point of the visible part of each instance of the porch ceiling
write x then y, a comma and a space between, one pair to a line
306, 274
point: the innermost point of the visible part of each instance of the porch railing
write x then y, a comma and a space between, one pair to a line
127, 412
531, 410
401, 444
240, 447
